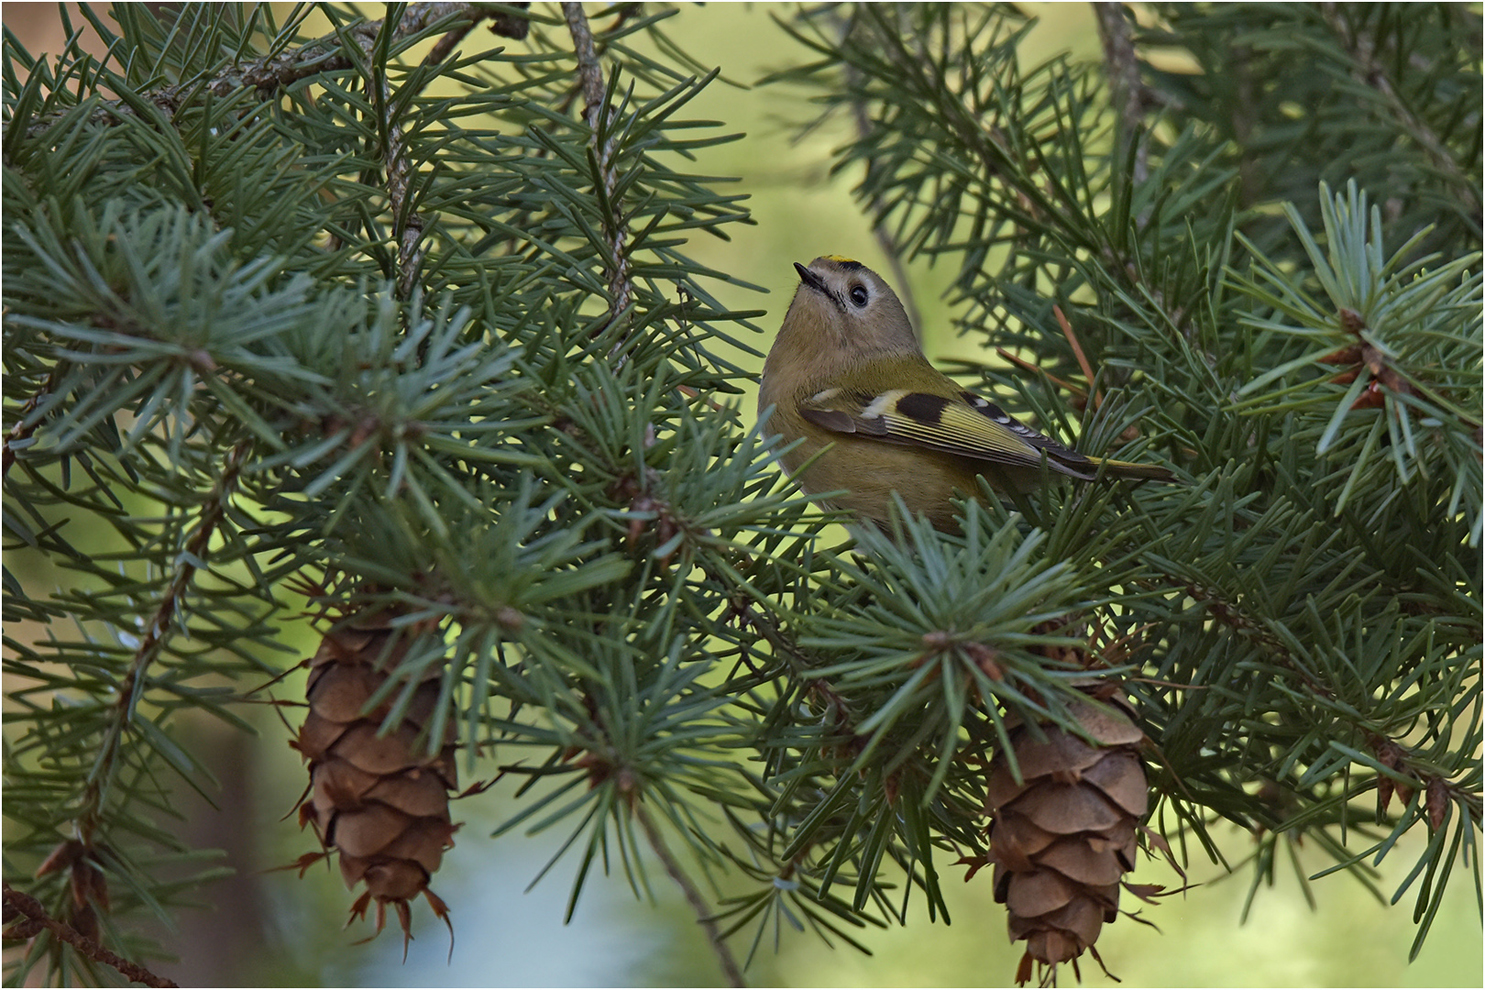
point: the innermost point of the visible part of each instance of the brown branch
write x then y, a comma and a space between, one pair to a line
272, 73
23, 430
503, 24
590, 73
693, 896
37, 919
1126, 90
156, 632
598, 115
407, 226
622, 13
1368, 70
1226, 609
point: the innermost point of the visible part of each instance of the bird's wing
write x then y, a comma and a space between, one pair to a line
962, 423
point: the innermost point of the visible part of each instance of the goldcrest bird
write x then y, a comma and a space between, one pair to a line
847, 374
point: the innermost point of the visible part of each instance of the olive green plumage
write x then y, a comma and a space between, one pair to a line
847, 372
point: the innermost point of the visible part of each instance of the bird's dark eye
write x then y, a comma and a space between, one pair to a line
859, 295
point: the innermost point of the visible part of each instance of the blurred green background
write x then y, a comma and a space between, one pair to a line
266, 928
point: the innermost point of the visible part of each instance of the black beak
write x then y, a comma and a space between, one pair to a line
809, 278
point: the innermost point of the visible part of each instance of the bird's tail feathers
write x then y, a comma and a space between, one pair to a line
1129, 469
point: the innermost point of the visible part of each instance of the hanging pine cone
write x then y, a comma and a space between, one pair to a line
1063, 838
381, 801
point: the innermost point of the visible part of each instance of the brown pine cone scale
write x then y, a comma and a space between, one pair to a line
1063, 836
380, 800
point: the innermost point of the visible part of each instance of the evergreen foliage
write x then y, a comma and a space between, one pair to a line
417, 329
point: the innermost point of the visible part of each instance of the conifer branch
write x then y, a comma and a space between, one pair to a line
603, 146
1123, 69
503, 24
406, 225
1368, 70
693, 896
577, 522
23, 430
590, 73
156, 632
271, 73
37, 919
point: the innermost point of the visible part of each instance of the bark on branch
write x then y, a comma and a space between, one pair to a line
19, 905
604, 148
271, 73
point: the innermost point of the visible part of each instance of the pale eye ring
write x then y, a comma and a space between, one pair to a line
859, 296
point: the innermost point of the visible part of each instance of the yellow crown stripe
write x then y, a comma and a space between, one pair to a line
841, 259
